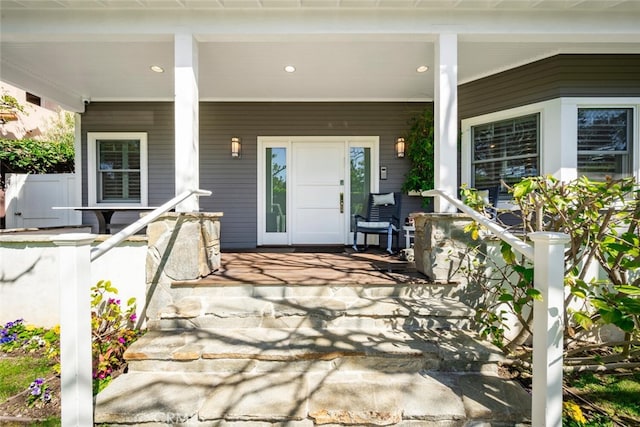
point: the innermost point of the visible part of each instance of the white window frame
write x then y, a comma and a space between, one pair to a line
92, 166
466, 162
558, 133
615, 102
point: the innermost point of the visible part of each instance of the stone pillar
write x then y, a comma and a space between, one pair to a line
182, 246
441, 246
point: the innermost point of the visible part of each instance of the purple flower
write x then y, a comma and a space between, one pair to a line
121, 340
133, 317
35, 387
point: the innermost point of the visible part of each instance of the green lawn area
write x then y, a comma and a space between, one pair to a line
606, 398
18, 372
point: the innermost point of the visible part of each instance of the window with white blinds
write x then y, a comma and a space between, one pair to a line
117, 168
605, 139
506, 150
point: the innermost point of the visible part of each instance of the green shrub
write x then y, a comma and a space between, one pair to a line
32, 156
602, 220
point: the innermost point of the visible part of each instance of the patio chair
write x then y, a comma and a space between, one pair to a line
490, 197
383, 218
490, 194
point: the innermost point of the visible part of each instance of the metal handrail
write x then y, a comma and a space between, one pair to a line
513, 240
130, 230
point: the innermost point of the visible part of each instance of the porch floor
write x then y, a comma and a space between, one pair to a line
304, 267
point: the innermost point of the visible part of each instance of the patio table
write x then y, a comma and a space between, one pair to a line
105, 213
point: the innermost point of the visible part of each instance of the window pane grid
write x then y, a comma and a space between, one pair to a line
602, 152
506, 158
604, 142
506, 139
505, 151
119, 174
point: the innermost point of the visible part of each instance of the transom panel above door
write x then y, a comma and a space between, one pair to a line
306, 186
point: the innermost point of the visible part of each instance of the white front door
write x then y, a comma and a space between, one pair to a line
309, 187
318, 192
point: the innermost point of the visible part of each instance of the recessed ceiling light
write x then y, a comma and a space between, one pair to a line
157, 69
422, 69
290, 69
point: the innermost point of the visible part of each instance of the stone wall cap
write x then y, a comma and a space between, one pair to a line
49, 238
134, 238
192, 214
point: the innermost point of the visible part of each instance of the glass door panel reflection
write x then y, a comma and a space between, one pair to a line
276, 190
360, 159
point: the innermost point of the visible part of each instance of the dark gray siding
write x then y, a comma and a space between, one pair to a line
234, 182
155, 118
579, 75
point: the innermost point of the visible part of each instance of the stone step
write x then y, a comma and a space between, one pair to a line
300, 399
326, 312
202, 288
307, 349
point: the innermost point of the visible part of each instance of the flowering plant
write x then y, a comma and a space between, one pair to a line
112, 331
39, 393
18, 336
9, 334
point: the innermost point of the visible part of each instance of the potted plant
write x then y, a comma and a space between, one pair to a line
419, 151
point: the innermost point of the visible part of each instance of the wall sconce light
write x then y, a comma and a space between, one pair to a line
400, 146
236, 147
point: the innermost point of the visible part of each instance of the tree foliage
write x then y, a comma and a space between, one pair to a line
9, 103
33, 156
602, 220
53, 152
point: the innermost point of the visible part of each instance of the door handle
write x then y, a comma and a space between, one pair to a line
18, 213
341, 202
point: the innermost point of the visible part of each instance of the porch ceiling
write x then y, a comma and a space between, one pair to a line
343, 50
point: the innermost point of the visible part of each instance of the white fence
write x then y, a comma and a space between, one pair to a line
29, 199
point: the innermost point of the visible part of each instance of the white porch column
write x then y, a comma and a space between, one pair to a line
76, 216
568, 142
75, 328
187, 174
446, 119
548, 328
558, 140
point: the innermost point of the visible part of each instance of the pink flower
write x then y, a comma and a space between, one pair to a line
121, 340
133, 317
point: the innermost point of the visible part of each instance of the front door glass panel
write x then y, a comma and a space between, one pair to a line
276, 190
360, 160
